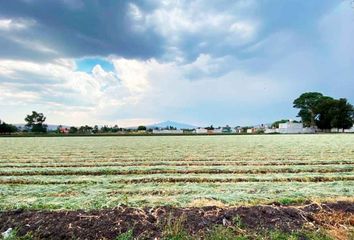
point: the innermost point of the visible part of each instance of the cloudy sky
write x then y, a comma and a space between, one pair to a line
234, 62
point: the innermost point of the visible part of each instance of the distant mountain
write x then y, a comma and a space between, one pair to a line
171, 123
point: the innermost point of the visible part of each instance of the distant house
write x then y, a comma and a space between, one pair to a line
201, 131
215, 130
64, 130
293, 127
290, 127
189, 131
251, 130
271, 130
238, 130
351, 130
167, 131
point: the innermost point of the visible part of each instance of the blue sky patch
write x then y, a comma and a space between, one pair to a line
87, 64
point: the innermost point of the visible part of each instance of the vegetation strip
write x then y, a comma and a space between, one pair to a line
165, 159
173, 171
179, 180
184, 163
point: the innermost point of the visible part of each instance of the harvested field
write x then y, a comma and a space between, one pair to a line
105, 172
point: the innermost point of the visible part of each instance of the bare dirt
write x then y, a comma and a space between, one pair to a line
149, 223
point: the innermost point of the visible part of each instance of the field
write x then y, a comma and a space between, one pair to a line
104, 172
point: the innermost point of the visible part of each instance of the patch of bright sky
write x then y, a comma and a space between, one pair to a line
87, 64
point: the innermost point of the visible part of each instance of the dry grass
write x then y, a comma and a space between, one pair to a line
205, 202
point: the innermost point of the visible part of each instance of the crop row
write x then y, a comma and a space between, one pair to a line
173, 163
183, 180
176, 171
204, 158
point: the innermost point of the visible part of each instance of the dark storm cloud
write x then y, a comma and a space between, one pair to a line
76, 29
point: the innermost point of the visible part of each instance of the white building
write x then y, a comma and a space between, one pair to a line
217, 130
290, 127
250, 130
201, 131
167, 131
351, 130
271, 130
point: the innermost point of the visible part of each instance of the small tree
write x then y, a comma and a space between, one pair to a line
95, 129
35, 122
141, 128
73, 130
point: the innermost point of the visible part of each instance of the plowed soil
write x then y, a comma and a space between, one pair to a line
148, 223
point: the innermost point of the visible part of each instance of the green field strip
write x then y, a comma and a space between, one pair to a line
103, 195
176, 170
172, 163
109, 178
183, 179
84, 158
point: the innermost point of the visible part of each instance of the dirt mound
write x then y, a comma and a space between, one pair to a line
149, 223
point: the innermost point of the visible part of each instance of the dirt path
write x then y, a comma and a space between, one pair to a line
148, 223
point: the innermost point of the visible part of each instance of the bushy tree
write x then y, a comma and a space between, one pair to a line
85, 129
324, 112
308, 103
35, 122
343, 114
141, 128
73, 130
7, 128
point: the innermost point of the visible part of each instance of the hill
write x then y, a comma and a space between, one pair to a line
171, 123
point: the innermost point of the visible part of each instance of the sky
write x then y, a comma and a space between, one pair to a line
236, 62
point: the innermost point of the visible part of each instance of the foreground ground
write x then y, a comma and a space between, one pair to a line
310, 221
75, 188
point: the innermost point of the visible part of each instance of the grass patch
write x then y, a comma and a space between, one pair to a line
13, 235
291, 201
126, 236
174, 229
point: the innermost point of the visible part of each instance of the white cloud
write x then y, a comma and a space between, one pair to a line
9, 24
181, 21
133, 73
144, 89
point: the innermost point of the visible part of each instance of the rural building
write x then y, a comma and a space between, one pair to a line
167, 131
238, 130
290, 127
215, 130
351, 130
251, 130
271, 130
64, 130
201, 131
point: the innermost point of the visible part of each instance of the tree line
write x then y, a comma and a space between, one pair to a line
324, 112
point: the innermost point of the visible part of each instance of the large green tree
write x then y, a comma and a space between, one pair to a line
35, 122
324, 112
308, 103
343, 114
